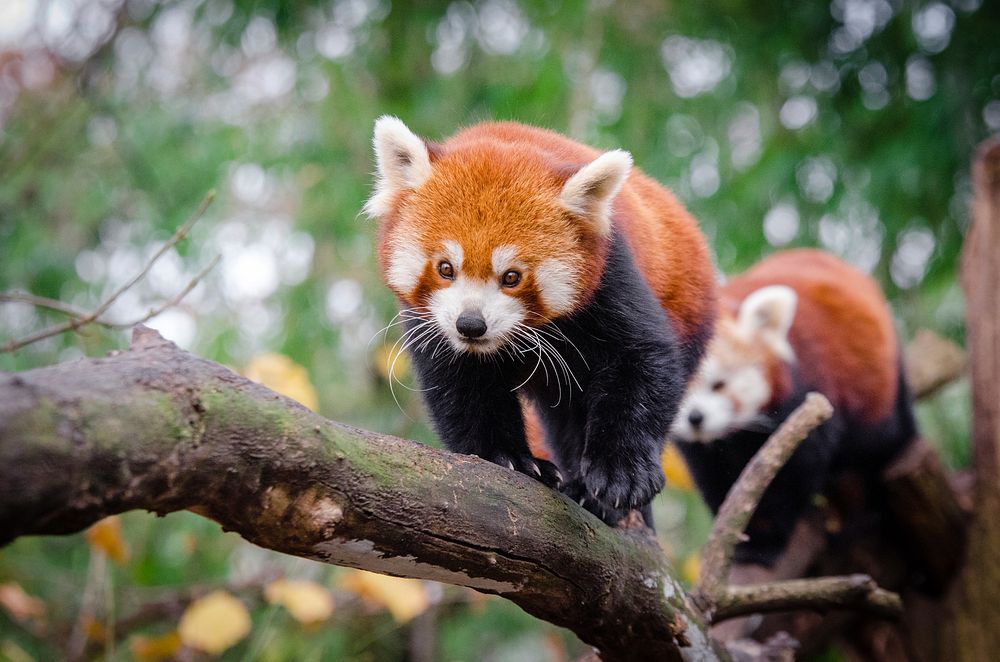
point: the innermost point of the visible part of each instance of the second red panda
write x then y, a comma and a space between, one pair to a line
798, 321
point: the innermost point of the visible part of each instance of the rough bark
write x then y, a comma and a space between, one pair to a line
974, 631
156, 428
859, 591
927, 514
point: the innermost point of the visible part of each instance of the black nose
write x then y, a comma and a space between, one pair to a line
695, 418
471, 324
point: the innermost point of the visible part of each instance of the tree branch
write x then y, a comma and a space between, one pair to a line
159, 429
721, 601
932, 362
854, 592
746, 493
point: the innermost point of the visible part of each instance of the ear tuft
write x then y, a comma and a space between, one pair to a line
590, 191
768, 314
402, 161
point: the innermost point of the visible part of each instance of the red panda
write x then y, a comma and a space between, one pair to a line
530, 266
798, 321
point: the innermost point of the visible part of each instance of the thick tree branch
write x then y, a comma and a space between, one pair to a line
159, 429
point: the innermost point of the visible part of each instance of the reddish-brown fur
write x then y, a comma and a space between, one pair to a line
842, 334
498, 183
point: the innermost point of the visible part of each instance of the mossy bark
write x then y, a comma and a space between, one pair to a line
156, 428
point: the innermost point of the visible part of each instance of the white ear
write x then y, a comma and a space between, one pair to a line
590, 191
402, 160
768, 314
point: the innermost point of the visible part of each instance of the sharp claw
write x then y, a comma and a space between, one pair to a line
582, 499
510, 465
534, 467
618, 503
559, 476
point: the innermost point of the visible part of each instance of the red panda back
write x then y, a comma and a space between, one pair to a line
842, 334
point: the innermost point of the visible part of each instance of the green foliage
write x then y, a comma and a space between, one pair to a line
846, 125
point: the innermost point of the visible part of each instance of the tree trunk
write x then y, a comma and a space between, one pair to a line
972, 632
159, 429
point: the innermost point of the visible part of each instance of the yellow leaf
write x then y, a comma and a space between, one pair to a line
106, 536
283, 375
676, 469
94, 629
214, 623
404, 598
21, 606
154, 649
11, 652
691, 569
308, 602
389, 361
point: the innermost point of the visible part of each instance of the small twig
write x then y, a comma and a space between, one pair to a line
153, 312
824, 593
80, 320
43, 302
746, 493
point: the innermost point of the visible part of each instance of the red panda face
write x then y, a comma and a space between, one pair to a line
487, 241
736, 380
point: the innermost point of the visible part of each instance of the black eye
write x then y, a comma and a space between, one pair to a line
511, 278
718, 385
446, 270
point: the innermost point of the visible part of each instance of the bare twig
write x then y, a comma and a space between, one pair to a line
44, 302
823, 593
81, 318
746, 493
176, 299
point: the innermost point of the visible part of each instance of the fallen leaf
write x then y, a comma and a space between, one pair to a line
691, 569
676, 469
21, 606
214, 623
392, 361
283, 375
306, 601
11, 652
106, 536
154, 649
404, 598
94, 629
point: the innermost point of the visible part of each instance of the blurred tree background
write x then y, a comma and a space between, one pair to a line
846, 124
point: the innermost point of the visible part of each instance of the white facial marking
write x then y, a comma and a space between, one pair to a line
402, 163
557, 285
454, 254
406, 264
725, 399
590, 191
504, 258
500, 311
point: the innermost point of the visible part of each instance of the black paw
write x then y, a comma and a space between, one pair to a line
577, 491
541, 470
622, 483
